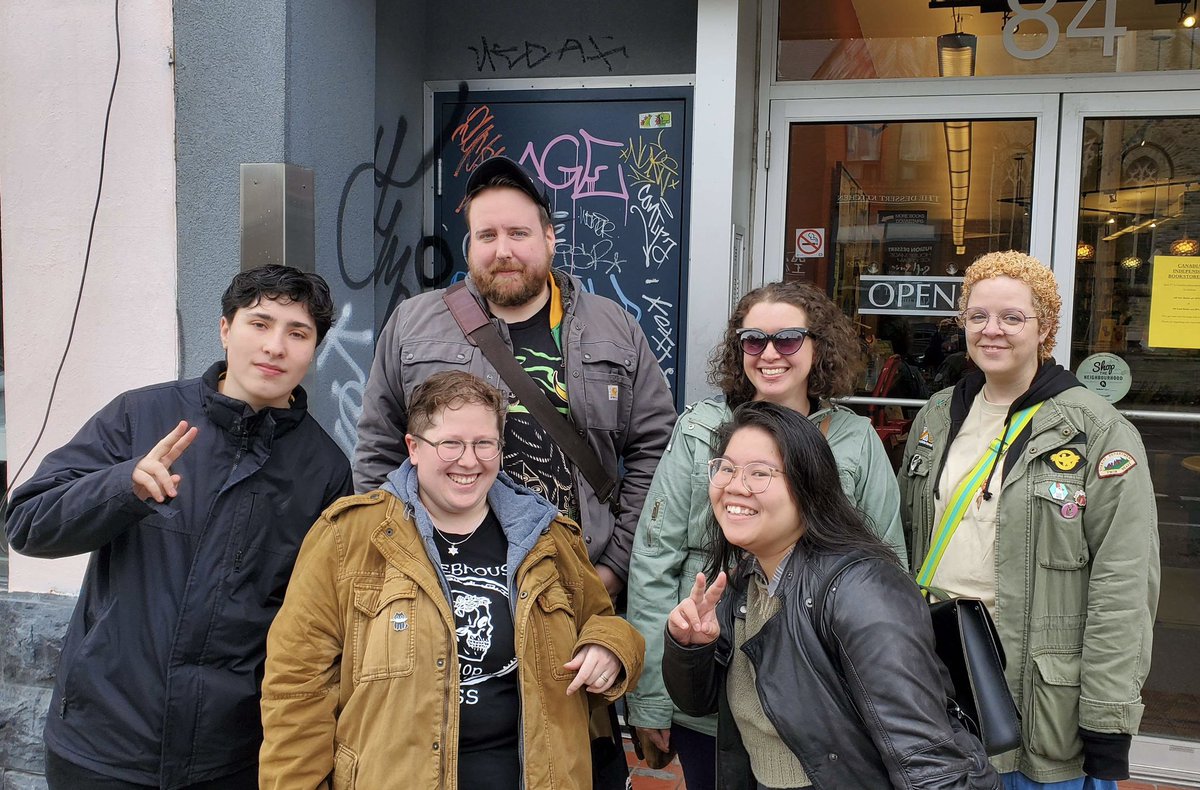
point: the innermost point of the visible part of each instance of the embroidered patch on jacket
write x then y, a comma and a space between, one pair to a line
926, 438
1115, 464
1065, 460
614, 393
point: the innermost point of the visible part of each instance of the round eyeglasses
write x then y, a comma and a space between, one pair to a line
453, 449
755, 476
1010, 322
786, 341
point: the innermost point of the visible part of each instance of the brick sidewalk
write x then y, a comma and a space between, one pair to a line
671, 778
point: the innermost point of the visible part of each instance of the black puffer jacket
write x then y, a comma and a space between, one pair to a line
159, 678
873, 717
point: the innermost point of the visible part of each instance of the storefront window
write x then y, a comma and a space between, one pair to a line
906, 206
1136, 340
882, 39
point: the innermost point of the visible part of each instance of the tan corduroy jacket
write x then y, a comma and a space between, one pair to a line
352, 701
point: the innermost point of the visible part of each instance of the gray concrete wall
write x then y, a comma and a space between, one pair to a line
230, 74
474, 39
31, 631
329, 126
285, 81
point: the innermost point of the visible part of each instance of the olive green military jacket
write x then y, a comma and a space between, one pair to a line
1077, 570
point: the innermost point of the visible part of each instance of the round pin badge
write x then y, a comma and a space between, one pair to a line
1070, 510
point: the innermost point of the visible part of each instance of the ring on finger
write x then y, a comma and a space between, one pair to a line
603, 677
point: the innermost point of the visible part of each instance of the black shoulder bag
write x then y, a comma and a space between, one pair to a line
968, 645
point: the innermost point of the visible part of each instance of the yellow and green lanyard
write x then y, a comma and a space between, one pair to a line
957, 505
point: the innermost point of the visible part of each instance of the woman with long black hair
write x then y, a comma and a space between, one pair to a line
819, 656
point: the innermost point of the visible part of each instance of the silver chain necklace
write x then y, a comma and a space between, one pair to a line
454, 544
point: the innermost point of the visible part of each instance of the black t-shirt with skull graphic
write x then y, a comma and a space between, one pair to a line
476, 568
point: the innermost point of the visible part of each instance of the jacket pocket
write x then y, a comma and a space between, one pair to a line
557, 628
693, 563
423, 357
78, 669
917, 486
608, 370
345, 768
1061, 545
384, 621
1053, 721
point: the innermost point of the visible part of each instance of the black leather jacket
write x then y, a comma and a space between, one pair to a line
873, 716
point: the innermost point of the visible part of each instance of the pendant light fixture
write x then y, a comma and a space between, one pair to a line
956, 58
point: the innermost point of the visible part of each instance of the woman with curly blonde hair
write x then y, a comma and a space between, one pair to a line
1030, 492
788, 344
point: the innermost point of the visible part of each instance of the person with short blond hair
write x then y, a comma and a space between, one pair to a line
446, 630
1025, 489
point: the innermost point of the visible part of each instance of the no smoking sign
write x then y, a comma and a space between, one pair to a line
810, 242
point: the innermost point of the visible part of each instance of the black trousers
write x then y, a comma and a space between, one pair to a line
62, 774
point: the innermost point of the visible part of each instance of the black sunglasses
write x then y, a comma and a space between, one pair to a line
787, 341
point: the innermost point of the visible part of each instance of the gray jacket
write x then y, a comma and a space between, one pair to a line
616, 393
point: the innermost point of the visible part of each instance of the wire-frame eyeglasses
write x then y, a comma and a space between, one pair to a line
453, 449
755, 476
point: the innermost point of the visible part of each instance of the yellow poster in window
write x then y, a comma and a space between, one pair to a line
1175, 302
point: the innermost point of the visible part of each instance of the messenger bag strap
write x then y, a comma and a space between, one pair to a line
960, 500
480, 331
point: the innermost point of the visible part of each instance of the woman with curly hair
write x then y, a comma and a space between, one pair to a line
788, 344
1026, 490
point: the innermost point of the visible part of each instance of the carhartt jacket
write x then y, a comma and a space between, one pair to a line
616, 393
158, 680
870, 714
670, 546
352, 700
1077, 587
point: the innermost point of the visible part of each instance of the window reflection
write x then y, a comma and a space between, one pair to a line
874, 39
883, 200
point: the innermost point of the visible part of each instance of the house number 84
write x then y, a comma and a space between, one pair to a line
1041, 15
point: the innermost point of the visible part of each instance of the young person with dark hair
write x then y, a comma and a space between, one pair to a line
818, 659
193, 497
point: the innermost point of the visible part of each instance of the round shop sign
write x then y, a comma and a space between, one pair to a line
1107, 375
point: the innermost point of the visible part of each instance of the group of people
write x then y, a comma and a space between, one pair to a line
454, 623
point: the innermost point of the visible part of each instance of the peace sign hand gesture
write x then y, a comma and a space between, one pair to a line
694, 620
152, 478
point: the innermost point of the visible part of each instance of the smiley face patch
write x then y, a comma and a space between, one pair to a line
1065, 460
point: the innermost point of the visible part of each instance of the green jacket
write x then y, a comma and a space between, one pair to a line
668, 549
1076, 596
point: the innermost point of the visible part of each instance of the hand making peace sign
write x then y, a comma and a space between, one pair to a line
152, 478
694, 620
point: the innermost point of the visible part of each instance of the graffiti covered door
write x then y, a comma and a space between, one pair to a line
614, 165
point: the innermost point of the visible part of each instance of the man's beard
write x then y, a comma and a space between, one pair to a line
508, 292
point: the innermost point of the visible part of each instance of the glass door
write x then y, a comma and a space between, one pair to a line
883, 203
1128, 260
